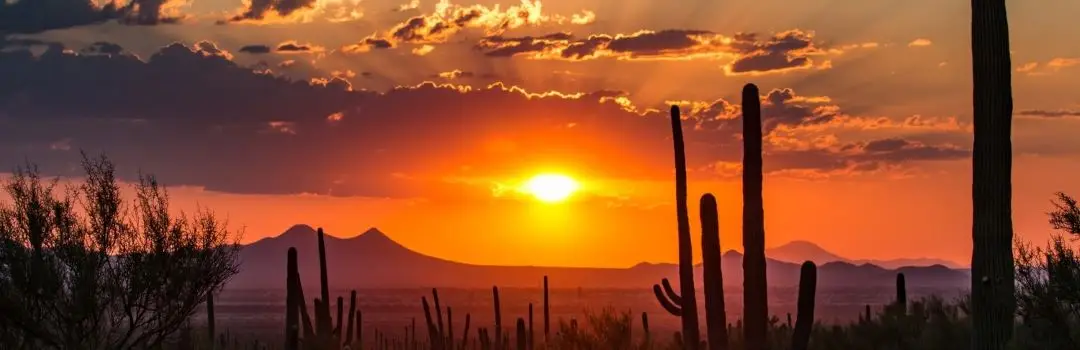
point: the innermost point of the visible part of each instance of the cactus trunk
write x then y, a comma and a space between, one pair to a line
715, 313
755, 288
547, 314
498, 318
901, 293
292, 309
800, 339
352, 318
992, 269
686, 253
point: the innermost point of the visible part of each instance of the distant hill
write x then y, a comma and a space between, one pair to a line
374, 260
799, 251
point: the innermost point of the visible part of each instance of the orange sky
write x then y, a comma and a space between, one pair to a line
925, 215
413, 116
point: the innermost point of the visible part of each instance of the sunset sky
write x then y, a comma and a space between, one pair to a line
424, 118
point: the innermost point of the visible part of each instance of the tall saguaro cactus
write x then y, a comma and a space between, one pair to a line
755, 288
992, 270
686, 302
715, 314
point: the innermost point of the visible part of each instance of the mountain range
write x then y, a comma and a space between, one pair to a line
374, 260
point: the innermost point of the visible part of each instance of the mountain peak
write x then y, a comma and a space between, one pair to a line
298, 230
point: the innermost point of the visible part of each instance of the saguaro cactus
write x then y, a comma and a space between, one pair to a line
715, 314
993, 296
755, 286
901, 293
547, 314
521, 337
800, 339
498, 318
682, 305
292, 310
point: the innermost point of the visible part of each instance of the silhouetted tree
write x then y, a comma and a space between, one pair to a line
1048, 285
82, 269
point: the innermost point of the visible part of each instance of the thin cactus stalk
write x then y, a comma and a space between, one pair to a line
687, 303
755, 286
340, 317
292, 310
993, 299
901, 293
715, 313
322, 321
547, 313
800, 338
412, 333
465, 332
498, 318
352, 318
210, 315
433, 331
449, 328
645, 328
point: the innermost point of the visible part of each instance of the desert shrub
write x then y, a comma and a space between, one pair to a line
84, 269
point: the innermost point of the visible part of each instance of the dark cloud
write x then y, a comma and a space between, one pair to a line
746, 52
259, 9
787, 50
255, 49
194, 117
35, 16
103, 47
367, 44
1061, 113
441, 26
294, 47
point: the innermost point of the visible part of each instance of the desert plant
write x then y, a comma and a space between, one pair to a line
682, 305
992, 269
715, 314
111, 275
800, 339
755, 287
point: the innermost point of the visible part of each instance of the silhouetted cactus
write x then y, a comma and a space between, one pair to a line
755, 286
325, 335
531, 338
521, 337
901, 293
800, 338
547, 321
465, 332
352, 318
292, 310
992, 268
498, 318
715, 314
684, 305
645, 328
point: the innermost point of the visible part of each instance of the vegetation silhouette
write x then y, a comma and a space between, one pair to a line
116, 276
82, 269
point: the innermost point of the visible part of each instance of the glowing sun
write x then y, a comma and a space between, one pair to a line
551, 187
